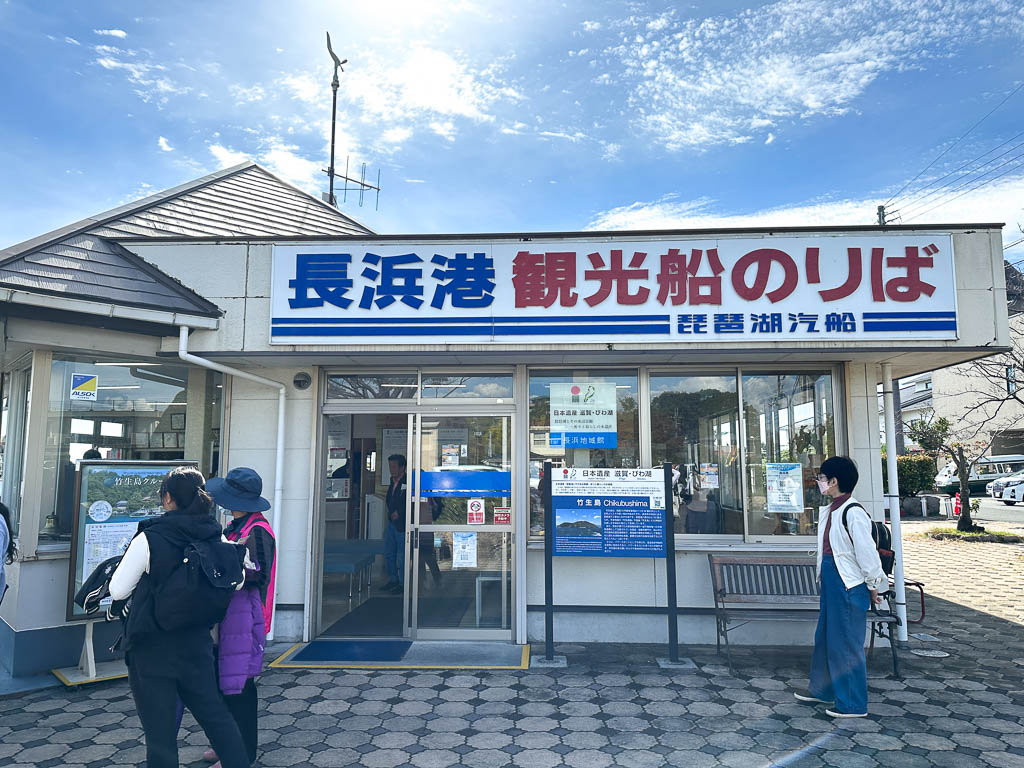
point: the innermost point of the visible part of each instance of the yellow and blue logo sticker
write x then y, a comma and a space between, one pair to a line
83, 386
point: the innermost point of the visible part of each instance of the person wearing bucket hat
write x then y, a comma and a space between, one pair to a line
241, 637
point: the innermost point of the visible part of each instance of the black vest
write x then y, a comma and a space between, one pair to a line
167, 537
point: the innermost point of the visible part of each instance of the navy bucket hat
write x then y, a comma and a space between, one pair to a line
238, 491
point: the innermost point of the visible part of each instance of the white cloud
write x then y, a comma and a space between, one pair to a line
396, 135
285, 161
769, 138
164, 144
591, 26
227, 157
151, 81
1000, 202
575, 137
445, 130
71, 41
698, 82
303, 87
244, 95
111, 33
415, 181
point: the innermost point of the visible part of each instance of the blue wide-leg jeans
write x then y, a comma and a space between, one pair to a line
394, 553
838, 667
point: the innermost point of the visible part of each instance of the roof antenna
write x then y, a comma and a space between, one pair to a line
361, 182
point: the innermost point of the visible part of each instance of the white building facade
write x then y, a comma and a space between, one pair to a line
735, 355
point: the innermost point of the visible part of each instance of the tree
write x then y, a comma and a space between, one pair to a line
963, 447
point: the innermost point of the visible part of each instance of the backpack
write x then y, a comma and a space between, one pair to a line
197, 592
881, 536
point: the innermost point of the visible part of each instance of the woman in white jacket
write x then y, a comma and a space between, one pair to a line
851, 574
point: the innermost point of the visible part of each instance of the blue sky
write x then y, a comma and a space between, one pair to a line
526, 115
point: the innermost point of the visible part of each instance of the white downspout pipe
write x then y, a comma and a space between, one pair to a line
187, 357
893, 498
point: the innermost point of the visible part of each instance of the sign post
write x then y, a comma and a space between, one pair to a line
609, 513
670, 569
111, 499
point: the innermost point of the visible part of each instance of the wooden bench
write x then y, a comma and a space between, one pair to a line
768, 588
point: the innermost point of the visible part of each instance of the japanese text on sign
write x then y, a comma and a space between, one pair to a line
806, 287
609, 512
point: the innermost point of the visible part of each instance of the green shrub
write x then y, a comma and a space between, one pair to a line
916, 472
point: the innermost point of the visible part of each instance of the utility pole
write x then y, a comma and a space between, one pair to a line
881, 214
334, 116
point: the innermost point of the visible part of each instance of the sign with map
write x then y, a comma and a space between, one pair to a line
608, 512
111, 499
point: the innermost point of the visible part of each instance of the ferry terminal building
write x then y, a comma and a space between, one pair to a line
236, 320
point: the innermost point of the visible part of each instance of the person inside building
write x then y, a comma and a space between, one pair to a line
850, 573
394, 531
164, 666
241, 637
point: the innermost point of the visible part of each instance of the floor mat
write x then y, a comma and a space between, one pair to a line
353, 650
416, 655
377, 617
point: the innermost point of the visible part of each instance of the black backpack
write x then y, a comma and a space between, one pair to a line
197, 592
881, 536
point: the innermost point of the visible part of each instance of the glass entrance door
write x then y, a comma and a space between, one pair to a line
459, 562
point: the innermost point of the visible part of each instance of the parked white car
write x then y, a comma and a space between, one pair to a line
1010, 489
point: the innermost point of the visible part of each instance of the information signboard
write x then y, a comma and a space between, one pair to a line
609, 512
111, 499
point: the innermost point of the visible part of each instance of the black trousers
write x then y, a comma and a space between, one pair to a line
243, 708
157, 682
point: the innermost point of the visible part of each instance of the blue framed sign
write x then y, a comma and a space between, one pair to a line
608, 512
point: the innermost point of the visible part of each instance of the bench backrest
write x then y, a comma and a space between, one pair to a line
766, 580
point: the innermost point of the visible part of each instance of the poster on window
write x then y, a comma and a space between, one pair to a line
111, 499
583, 415
785, 489
463, 550
708, 476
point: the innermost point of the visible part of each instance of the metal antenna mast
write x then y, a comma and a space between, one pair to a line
360, 182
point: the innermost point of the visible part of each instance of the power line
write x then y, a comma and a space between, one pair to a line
947, 149
978, 186
931, 197
921, 192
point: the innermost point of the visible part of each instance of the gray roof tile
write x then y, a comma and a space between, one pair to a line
82, 261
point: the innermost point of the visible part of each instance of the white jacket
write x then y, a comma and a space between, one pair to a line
855, 553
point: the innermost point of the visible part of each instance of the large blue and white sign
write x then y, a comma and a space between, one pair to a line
823, 288
583, 415
608, 512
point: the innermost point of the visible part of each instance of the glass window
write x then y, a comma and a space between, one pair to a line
695, 424
607, 436
388, 386
492, 387
129, 411
17, 393
790, 430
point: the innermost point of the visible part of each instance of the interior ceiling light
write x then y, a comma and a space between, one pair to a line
134, 365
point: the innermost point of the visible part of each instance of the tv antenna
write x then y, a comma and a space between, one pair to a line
361, 184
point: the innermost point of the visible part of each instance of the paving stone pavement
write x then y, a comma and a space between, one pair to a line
613, 706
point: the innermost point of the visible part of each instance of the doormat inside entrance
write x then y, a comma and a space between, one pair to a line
402, 654
353, 650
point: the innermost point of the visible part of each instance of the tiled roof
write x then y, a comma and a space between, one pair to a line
84, 261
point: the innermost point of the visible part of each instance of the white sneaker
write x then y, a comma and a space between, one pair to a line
834, 713
807, 698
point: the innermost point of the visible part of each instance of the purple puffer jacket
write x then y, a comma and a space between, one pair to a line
241, 639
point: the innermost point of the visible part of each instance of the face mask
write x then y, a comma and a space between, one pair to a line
823, 486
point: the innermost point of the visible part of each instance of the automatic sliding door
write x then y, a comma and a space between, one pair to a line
462, 535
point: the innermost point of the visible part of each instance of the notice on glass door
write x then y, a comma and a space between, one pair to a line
463, 550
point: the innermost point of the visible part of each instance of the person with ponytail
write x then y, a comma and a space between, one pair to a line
165, 666
8, 549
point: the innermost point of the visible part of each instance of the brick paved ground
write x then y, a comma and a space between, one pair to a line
613, 706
